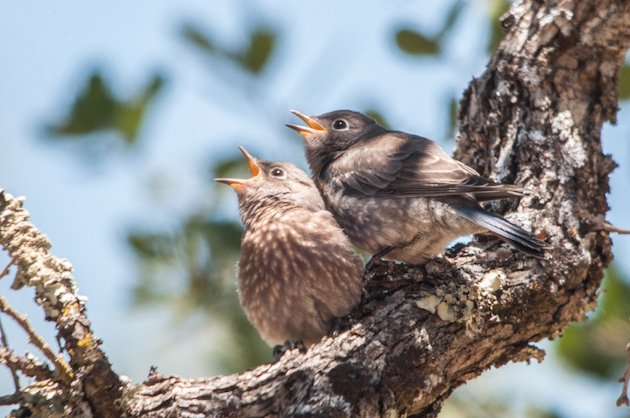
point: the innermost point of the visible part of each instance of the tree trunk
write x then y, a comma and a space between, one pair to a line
533, 118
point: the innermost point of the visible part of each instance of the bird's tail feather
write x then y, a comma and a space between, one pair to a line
506, 231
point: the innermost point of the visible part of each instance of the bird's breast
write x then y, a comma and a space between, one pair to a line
296, 273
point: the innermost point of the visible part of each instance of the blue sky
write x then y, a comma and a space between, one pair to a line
333, 55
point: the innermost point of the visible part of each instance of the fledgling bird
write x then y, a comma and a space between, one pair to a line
297, 270
400, 196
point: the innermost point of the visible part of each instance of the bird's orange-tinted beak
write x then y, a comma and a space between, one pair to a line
254, 169
240, 184
236, 184
313, 127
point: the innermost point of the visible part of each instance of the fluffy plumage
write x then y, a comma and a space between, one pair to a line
400, 195
297, 269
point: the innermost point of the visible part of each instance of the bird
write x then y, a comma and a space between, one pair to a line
297, 270
399, 196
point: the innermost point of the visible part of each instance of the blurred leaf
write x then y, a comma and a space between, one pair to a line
414, 43
614, 302
130, 114
253, 57
151, 245
223, 237
624, 82
229, 167
497, 9
246, 350
94, 109
598, 346
377, 116
451, 18
536, 411
97, 109
256, 55
195, 37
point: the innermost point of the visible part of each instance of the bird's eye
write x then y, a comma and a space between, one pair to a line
277, 172
340, 125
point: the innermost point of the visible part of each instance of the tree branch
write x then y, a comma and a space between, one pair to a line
5, 343
27, 365
56, 292
61, 366
534, 118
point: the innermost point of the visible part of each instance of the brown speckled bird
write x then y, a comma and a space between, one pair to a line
297, 270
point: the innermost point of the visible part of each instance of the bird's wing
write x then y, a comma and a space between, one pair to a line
402, 165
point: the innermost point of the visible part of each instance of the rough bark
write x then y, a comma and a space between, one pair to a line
533, 118
91, 385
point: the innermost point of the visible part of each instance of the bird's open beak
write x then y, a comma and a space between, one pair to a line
254, 168
240, 184
313, 127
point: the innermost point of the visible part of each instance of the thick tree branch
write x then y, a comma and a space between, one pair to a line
534, 118
56, 292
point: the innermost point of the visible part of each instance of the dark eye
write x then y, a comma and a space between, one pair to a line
277, 172
340, 125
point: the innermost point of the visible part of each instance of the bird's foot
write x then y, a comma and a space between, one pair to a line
377, 259
374, 261
279, 350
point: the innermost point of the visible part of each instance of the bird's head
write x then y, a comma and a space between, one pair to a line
273, 184
333, 132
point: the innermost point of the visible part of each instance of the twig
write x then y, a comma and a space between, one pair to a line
623, 398
5, 271
608, 227
10, 399
601, 224
5, 343
61, 366
28, 365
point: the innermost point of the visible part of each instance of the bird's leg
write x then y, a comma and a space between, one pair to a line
376, 258
279, 350
299, 344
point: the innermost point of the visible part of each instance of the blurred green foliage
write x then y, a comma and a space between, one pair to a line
97, 109
624, 83
253, 56
497, 9
377, 116
414, 42
598, 346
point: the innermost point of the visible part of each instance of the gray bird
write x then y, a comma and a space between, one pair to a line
400, 196
297, 270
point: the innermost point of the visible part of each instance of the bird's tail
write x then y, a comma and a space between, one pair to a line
504, 230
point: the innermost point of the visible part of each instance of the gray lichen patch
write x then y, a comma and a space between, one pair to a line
456, 303
428, 303
492, 281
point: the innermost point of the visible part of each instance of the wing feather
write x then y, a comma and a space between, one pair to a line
402, 165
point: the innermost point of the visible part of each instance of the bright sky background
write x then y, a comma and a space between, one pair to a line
333, 55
